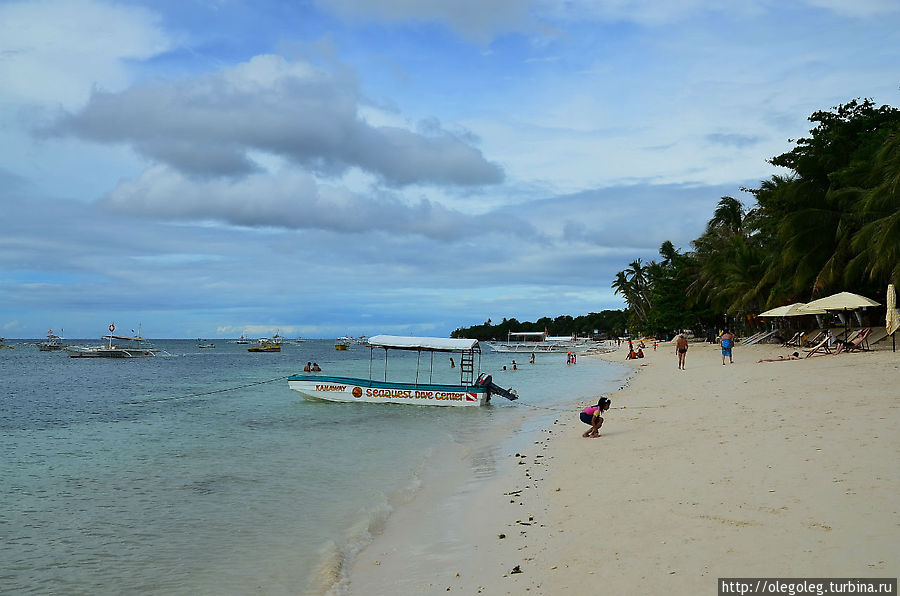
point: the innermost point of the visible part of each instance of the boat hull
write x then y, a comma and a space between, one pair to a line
538, 348
352, 389
79, 352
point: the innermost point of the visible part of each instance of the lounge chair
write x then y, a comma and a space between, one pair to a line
797, 340
794, 341
819, 348
859, 342
811, 342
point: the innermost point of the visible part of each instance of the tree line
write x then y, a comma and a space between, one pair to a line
831, 224
607, 323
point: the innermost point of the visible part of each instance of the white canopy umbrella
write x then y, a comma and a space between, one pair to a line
791, 310
840, 302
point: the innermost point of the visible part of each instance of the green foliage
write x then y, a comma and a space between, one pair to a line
833, 224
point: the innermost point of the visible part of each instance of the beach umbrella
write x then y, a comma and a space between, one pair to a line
891, 316
791, 310
841, 302
778, 311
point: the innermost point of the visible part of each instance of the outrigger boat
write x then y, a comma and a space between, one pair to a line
111, 350
540, 342
471, 390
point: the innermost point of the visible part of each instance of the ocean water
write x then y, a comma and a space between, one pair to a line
202, 473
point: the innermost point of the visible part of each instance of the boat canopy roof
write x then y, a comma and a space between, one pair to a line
433, 344
124, 337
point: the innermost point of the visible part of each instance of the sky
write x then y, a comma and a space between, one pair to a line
320, 168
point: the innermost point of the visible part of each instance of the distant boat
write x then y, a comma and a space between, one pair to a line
242, 340
137, 349
342, 343
53, 343
267, 344
540, 342
203, 344
471, 390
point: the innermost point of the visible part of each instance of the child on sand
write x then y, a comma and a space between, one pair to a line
591, 415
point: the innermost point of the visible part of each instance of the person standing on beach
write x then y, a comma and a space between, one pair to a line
592, 415
681, 348
727, 343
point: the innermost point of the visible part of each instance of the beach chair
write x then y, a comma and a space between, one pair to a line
796, 340
811, 342
819, 348
859, 342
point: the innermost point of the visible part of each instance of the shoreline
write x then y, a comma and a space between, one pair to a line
749, 469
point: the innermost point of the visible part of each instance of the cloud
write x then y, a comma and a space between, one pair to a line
733, 139
207, 125
54, 51
635, 217
482, 22
289, 199
858, 9
474, 20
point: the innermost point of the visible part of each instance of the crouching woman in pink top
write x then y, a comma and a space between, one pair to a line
592, 415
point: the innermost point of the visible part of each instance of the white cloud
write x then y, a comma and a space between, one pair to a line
289, 199
858, 8
54, 51
208, 125
475, 20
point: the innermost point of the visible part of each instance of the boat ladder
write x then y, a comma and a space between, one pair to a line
467, 368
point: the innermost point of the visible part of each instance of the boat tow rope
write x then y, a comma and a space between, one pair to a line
160, 399
568, 409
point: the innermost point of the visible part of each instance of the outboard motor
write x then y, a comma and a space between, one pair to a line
485, 380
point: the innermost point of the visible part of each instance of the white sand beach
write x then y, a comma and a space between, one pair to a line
778, 469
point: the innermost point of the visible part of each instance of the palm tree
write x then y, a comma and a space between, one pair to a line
877, 243
727, 218
729, 260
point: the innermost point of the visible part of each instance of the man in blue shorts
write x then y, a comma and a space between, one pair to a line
727, 341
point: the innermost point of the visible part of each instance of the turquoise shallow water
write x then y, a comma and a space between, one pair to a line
157, 476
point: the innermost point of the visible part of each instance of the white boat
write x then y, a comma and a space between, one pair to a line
53, 343
472, 390
137, 349
539, 342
